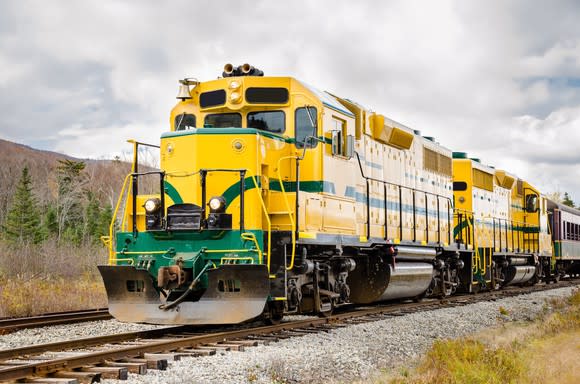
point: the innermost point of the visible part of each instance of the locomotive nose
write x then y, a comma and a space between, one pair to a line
235, 293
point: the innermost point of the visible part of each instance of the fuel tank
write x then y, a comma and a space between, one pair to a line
377, 280
519, 274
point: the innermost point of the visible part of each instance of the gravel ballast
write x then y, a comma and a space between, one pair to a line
341, 355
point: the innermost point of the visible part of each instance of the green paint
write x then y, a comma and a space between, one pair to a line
237, 132
172, 192
461, 226
313, 186
233, 191
226, 131
189, 246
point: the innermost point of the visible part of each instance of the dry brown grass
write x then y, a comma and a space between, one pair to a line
544, 351
26, 297
50, 278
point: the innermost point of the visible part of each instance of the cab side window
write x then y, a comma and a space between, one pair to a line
342, 143
184, 121
305, 125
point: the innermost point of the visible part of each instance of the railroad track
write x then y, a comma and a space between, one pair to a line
113, 356
8, 325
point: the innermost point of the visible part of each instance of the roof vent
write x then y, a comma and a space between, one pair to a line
460, 155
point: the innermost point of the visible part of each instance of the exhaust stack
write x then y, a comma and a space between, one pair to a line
241, 70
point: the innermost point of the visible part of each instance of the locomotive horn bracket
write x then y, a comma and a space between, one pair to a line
242, 70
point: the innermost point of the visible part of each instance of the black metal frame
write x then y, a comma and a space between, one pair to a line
135, 180
203, 176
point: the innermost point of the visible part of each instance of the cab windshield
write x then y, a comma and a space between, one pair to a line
271, 121
223, 120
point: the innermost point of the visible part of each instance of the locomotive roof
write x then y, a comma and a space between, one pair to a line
552, 204
328, 99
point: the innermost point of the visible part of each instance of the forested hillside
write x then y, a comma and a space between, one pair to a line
53, 211
69, 194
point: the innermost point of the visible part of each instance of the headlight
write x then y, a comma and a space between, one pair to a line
217, 204
235, 97
152, 205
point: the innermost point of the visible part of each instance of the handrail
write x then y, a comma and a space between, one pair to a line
267, 219
249, 236
292, 221
463, 215
401, 187
109, 243
478, 264
528, 239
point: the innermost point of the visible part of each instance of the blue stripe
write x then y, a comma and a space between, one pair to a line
370, 163
392, 205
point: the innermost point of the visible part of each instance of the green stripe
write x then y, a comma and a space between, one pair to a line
172, 192
237, 132
459, 228
227, 131
233, 190
305, 186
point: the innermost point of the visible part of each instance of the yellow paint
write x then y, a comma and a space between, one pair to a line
250, 236
233, 260
143, 253
391, 135
504, 179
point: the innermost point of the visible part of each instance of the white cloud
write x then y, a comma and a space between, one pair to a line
82, 77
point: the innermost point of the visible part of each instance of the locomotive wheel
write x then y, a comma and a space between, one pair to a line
275, 314
328, 312
274, 319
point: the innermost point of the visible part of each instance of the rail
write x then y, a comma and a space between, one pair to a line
524, 235
110, 239
293, 220
464, 232
12, 324
167, 343
267, 215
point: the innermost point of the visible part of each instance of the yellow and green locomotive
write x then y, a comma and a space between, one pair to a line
275, 197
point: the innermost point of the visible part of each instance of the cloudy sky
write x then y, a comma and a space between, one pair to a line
499, 80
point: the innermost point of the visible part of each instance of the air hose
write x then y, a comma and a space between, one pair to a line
180, 299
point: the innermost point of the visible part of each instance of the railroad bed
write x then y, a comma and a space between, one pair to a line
342, 347
8, 325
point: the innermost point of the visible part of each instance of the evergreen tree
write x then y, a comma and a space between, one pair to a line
23, 219
50, 221
567, 200
70, 216
105, 218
